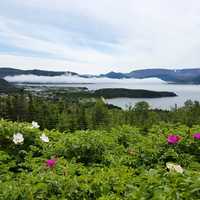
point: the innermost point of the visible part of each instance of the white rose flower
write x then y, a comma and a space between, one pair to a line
44, 138
35, 125
18, 138
174, 167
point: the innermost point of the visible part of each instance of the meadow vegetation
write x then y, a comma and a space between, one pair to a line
88, 150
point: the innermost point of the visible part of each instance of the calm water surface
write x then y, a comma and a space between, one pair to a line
184, 92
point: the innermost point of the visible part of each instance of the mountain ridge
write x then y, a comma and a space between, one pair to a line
188, 75
184, 76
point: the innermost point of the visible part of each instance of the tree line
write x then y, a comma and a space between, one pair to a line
83, 115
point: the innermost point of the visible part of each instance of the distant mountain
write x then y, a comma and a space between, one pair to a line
13, 72
185, 76
174, 76
6, 87
112, 74
149, 73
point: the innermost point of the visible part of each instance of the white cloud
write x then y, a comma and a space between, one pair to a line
99, 36
18, 39
76, 79
22, 62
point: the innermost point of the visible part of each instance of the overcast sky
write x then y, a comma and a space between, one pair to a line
97, 36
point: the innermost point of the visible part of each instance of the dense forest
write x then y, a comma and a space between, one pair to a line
67, 114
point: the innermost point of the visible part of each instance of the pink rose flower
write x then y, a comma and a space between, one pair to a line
51, 163
196, 136
173, 139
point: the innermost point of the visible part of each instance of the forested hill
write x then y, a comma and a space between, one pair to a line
13, 72
121, 92
6, 87
176, 76
185, 76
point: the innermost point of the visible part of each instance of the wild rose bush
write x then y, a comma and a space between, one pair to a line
120, 164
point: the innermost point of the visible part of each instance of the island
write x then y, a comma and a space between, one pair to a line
110, 93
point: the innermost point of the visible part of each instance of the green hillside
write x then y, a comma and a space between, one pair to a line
88, 150
6, 87
122, 163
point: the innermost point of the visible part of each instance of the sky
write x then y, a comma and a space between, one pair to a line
98, 36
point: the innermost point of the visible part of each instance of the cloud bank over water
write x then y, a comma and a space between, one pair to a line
76, 79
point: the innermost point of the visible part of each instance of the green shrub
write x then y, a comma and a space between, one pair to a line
106, 165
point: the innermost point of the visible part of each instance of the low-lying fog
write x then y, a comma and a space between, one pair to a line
75, 79
184, 92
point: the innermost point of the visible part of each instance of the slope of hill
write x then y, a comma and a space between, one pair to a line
6, 87
13, 72
177, 76
120, 163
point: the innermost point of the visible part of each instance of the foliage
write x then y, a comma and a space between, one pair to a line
65, 114
120, 163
